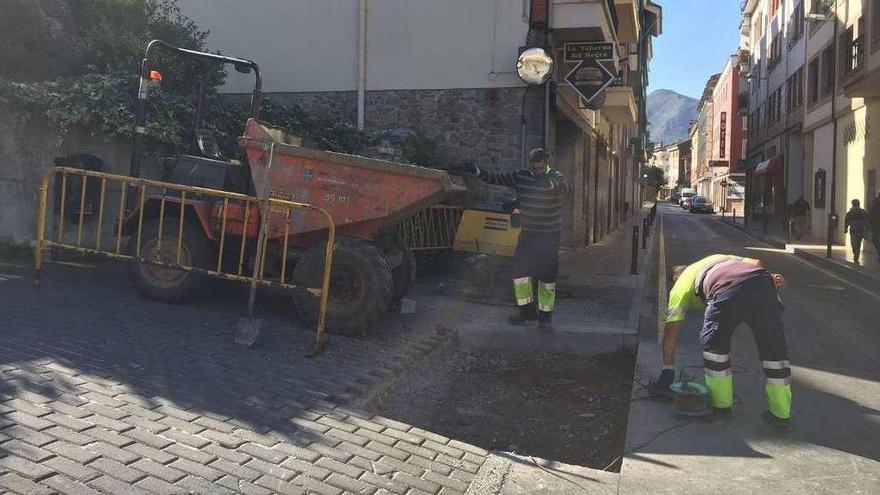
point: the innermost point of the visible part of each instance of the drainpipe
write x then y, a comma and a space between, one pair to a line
832, 215
362, 65
549, 40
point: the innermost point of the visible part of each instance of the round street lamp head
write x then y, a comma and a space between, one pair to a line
534, 66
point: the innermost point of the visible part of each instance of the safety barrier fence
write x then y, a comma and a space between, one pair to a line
139, 202
431, 229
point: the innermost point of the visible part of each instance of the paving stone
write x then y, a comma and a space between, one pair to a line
214, 424
429, 465
181, 425
158, 486
383, 449
158, 470
142, 412
349, 484
189, 453
456, 463
176, 413
428, 435
105, 411
307, 468
197, 469
72, 452
390, 464
146, 424
67, 486
384, 483
339, 425
148, 452
313, 485
348, 437
116, 470
108, 423
74, 470
311, 425
25, 467
71, 436
199, 485
462, 475
234, 469
276, 485
359, 451
26, 450
25, 407
446, 481
413, 482
338, 467
366, 424
145, 437
19, 484
473, 449
29, 420
230, 455
69, 410
416, 450
112, 452
474, 459
271, 469
263, 453
108, 484
401, 435
102, 399
224, 439
68, 422
298, 452
254, 437
185, 438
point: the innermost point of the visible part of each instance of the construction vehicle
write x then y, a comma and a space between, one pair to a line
207, 215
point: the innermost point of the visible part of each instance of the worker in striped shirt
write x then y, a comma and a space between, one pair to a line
733, 290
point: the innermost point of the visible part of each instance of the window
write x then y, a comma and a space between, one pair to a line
723, 137
794, 91
852, 48
796, 24
813, 85
745, 121
775, 52
827, 80
745, 143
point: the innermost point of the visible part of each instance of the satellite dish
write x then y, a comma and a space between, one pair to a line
534, 66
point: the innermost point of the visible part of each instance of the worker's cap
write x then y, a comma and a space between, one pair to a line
538, 155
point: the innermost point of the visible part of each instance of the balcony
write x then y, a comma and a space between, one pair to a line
620, 105
628, 28
585, 20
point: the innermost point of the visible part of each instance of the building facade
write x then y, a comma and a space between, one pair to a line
446, 71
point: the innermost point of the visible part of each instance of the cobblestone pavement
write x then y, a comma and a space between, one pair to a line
102, 391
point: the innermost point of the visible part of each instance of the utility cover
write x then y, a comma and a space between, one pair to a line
589, 78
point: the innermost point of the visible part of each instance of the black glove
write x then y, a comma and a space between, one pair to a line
662, 384
464, 169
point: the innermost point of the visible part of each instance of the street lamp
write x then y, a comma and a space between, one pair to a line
534, 67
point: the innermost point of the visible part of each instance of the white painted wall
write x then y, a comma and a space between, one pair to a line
311, 45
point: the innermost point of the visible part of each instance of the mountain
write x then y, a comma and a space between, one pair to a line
669, 115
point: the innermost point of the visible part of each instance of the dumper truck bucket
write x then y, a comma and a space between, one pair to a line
361, 194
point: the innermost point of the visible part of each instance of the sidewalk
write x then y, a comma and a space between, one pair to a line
841, 262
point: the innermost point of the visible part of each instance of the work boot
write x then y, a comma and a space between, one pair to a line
525, 315
545, 321
772, 419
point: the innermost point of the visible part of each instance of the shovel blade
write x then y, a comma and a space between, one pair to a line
248, 331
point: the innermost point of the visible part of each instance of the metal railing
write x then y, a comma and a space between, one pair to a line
431, 229
175, 202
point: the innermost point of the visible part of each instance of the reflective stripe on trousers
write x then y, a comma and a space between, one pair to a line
546, 296
522, 291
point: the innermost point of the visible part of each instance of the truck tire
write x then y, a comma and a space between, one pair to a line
403, 267
360, 285
167, 284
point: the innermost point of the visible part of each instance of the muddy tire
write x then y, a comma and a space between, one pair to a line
360, 285
166, 284
403, 271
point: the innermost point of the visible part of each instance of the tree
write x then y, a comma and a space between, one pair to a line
653, 177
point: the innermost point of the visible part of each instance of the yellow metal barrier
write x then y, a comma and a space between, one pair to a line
159, 191
431, 229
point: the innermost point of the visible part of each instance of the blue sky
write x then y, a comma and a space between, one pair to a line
698, 35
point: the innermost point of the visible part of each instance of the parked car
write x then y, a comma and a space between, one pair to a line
686, 194
674, 198
699, 204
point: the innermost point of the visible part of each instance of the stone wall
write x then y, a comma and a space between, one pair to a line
27, 150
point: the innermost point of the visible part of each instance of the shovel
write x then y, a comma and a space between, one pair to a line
248, 329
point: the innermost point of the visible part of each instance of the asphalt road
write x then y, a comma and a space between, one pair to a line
834, 342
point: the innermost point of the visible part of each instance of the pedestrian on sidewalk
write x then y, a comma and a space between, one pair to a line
540, 190
799, 210
857, 224
874, 218
734, 290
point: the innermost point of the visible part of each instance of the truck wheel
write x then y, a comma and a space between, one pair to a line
403, 272
167, 284
360, 285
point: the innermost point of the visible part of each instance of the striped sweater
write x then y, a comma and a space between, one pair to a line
539, 196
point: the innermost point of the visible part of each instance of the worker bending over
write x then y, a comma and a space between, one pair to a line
734, 290
540, 190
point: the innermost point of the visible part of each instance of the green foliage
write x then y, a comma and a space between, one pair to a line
653, 177
50, 39
104, 105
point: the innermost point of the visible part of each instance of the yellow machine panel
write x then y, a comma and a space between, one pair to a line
486, 232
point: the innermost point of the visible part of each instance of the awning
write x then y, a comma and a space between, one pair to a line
773, 166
